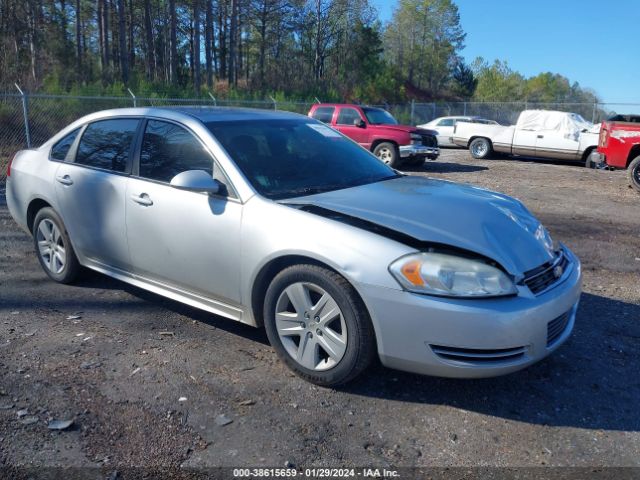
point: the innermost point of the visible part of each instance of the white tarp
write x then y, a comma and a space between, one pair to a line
569, 124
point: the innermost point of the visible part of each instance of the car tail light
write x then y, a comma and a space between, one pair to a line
604, 137
9, 165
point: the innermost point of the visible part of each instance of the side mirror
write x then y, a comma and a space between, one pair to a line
196, 181
358, 122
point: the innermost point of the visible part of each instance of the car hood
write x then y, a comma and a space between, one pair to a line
405, 128
441, 212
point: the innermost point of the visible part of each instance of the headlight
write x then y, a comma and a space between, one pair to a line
448, 275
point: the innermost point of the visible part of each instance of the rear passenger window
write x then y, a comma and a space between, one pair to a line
324, 114
168, 150
106, 144
59, 150
347, 116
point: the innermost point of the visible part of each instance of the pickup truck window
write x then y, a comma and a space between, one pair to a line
347, 116
324, 114
378, 116
447, 122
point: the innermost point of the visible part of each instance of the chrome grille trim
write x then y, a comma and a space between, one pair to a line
479, 356
540, 279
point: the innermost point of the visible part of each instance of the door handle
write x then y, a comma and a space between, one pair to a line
540, 136
142, 199
64, 179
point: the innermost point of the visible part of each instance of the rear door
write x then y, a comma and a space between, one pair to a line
186, 241
345, 123
91, 189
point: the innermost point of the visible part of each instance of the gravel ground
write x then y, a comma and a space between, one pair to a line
152, 383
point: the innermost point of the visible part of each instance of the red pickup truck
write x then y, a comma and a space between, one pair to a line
376, 130
619, 146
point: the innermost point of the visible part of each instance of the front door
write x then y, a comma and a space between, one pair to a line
557, 144
345, 124
524, 142
91, 192
185, 241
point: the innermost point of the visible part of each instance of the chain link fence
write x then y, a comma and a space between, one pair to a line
29, 120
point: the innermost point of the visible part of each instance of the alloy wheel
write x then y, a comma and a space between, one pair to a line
311, 326
51, 246
385, 155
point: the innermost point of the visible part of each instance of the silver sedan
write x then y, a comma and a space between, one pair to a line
276, 220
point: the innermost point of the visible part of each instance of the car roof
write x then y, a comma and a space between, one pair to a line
205, 114
346, 105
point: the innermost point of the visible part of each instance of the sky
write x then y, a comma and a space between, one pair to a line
593, 42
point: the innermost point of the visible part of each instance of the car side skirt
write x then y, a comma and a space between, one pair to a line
192, 299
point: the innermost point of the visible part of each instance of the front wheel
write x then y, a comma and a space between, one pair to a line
480, 148
388, 153
53, 247
318, 325
634, 173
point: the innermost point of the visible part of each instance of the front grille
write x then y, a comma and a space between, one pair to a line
429, 141
540, 279
479, 356
556, 327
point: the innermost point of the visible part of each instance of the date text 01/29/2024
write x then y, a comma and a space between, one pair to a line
315, 473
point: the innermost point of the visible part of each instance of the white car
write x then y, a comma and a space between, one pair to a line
445, 126
537, 133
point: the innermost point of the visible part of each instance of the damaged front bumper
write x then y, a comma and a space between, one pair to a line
419, 151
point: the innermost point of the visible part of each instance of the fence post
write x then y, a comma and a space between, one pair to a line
465, 109
433, 107
135, 103
413, 110
595, 109
25, 113
215, 102
275, 103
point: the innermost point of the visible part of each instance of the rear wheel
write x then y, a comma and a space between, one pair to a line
388, 153
53, 247
480, 148
318, 325
634, 173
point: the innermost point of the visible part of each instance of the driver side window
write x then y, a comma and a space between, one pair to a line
169, 149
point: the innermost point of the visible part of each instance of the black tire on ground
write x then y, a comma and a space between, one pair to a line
634, 173
67, 272
480, 148
360, 337
388, 153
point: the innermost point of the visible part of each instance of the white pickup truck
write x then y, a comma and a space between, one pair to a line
538, 133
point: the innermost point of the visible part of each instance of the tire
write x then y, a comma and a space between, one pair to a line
588, 163
53, 247
388, 153
326, 351
480, 148
634, 173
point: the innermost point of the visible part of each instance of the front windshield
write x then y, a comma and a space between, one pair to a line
377, 116
295, 157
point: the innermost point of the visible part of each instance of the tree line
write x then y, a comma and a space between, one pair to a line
333, 49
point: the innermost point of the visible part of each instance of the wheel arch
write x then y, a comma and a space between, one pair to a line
271, 268
633, 153
587, 152
35, 205
378, 141
479, 136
